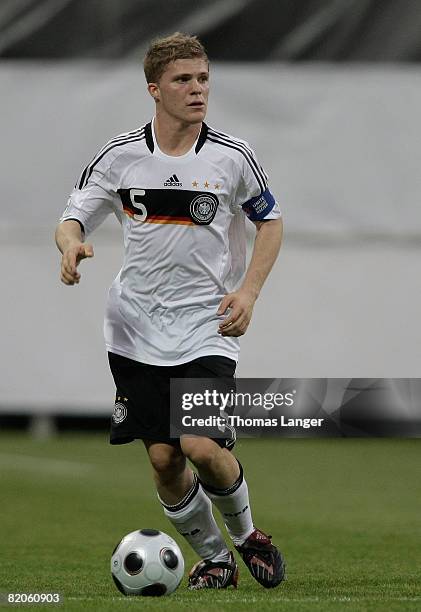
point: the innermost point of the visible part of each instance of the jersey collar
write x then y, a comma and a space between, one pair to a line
199, 144
202, 137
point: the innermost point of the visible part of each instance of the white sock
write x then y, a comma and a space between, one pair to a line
234, 505
193, 519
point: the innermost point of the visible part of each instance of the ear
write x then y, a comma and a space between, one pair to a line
153, 89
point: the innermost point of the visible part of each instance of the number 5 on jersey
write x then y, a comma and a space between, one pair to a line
137, 203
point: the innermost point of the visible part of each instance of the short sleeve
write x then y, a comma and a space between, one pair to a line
91, 201
253, 194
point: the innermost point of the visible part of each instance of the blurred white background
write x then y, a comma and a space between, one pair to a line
340, 143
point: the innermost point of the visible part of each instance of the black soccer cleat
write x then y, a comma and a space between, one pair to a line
264, 561
214, 574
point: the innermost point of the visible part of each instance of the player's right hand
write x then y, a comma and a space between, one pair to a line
70, 261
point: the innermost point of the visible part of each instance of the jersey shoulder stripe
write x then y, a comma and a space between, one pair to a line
121, 137
118, 141
258, 172
247, 152
243, 144
231, 138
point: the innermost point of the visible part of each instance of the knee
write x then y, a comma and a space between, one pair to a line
166, 460
202, 452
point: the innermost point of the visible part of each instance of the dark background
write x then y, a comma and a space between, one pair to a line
235, 30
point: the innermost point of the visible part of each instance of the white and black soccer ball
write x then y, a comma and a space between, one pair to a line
147, 562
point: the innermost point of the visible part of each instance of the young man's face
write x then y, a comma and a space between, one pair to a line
183, 89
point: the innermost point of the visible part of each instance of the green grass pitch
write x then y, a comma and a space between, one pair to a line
346, 514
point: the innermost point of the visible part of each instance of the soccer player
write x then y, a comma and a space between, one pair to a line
181, 191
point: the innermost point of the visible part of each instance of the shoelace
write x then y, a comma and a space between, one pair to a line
208, 565
250, 551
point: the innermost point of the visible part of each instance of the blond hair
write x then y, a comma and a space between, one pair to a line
162, 51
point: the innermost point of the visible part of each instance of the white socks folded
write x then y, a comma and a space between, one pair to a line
234, 505
192, 517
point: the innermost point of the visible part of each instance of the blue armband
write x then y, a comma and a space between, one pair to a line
257, 208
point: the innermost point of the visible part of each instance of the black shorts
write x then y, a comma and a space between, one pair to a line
142, 404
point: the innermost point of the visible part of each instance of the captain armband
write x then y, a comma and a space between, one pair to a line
259, 207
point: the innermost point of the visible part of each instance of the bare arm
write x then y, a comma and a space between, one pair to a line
69, 240
266, 248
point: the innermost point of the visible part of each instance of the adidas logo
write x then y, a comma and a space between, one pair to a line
173, 181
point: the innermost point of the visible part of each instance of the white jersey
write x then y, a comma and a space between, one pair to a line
184, 236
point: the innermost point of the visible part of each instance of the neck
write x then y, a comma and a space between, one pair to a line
175, 138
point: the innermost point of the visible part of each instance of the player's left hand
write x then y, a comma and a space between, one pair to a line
241, 303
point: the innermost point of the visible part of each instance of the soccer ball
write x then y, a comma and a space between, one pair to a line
147, 562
